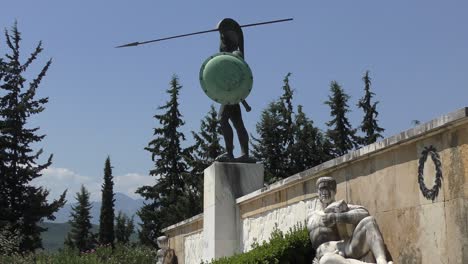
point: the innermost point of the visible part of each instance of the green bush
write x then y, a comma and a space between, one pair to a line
293, 247
120, 254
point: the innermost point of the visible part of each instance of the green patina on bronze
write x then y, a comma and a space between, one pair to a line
226, 78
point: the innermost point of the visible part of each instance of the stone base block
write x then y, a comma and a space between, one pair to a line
223, 183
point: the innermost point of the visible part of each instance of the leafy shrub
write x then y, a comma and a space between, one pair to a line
293, 247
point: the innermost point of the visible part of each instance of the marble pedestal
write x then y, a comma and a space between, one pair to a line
223, 183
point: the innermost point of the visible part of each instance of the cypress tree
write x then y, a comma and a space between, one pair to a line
203, 153
340, 132
22, 205
106, 219
164, 206
369, 125
80, 236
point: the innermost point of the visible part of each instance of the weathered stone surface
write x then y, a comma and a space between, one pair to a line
177, 233
456, 215
223, 184
194, 248
258, 228
455, 164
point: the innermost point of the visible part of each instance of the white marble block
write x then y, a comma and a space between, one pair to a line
223, 183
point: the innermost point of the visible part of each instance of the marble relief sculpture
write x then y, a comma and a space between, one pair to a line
343, 233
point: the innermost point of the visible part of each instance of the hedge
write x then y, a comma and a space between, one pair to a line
293, 247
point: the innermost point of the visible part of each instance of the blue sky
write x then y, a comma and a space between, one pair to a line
102, 99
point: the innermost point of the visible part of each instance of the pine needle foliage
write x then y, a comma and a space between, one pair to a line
106, 218
22, 205
208, 140
288, 142
275, 132
341, 134
124, 228
164, 205
269, 146
287, 113
369, 125
203, 153
80, 236
311, 147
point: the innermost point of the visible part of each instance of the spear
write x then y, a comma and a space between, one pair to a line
199, 32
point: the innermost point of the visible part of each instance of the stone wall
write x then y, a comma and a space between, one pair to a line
193, 248
384, 178
180, 232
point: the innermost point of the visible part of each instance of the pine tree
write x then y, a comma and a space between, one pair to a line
124, 228
369, 124
68, 242
276, 136
269, 147
208, 141
310, 148
22, 206
203, 153
120, 223
106, 219
151, 224
340, 132
287, 127
80, 236
164, 205
287, 113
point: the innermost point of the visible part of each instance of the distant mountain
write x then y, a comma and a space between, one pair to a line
122, 203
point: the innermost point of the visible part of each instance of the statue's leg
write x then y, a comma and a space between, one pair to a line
242, 134
331, 258
224, 113
367, 236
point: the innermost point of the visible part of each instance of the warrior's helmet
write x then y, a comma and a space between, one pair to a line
232, 38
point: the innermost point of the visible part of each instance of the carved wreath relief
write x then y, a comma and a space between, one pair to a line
434, 191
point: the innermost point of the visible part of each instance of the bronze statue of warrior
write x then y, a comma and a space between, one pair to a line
227, 79
232, 40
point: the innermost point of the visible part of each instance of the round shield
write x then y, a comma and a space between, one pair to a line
226, 78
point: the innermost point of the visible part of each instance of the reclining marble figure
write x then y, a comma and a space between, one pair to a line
341, 232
